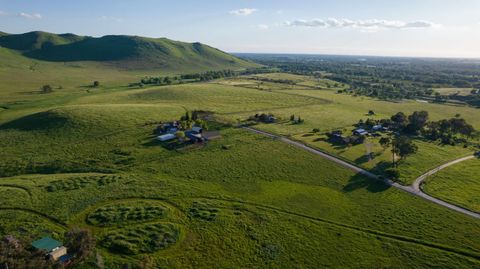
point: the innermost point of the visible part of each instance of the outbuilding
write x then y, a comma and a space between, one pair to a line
360, 132
56, 253
46, 244
197, 129
377, 128
166, 137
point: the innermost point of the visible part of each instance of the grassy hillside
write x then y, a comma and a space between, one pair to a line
128, 52
71, 63
258, 202
36, 40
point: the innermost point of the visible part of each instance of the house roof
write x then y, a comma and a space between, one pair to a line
47, 244
196, 129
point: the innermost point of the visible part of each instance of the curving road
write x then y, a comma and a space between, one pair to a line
414, 189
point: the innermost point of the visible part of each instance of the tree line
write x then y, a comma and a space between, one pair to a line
198, 77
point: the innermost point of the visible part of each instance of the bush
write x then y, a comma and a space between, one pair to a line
46, 89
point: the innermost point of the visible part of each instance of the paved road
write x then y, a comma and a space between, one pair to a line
414, 189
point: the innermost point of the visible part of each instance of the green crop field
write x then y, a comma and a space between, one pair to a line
458, 184
78, 158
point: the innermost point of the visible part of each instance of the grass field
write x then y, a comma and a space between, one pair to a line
91, 160
456, 91
372, 156
458, 184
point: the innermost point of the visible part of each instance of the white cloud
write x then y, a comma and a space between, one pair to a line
263, 27
34, 16
362, 24
3, 13
243, 11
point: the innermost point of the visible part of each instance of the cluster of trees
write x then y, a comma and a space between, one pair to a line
402, 146
383, 78
195, 77
337, 138
296, 120
210, 75
281, 81
446, 130
188, 120
158, 80
263, 117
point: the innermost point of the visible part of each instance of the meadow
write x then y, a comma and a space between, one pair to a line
458, 184
91, 160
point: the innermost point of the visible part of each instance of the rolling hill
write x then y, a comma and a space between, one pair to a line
130, 52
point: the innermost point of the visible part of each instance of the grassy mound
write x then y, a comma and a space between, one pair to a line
120, 214
142, 239
75, 183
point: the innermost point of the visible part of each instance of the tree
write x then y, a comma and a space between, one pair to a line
195, 115
180, 135
187, 116
167, 80
417, 121
400, 120
385, 142
292, 117
81, 242
403, 147
46, 89
371, 113
96, 83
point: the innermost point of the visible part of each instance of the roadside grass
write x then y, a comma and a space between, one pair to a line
371, 156
458, 184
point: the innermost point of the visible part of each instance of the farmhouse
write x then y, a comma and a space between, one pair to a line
55, 250
360, 132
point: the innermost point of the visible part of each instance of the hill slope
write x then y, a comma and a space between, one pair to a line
131, 52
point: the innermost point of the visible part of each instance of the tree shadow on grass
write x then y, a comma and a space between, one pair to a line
360, 181
366, 158
168, 145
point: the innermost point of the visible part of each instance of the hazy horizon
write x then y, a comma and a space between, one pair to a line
431, 29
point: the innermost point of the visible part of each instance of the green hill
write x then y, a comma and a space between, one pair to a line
36, 40
131, 52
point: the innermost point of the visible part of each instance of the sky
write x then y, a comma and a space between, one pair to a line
421, 28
